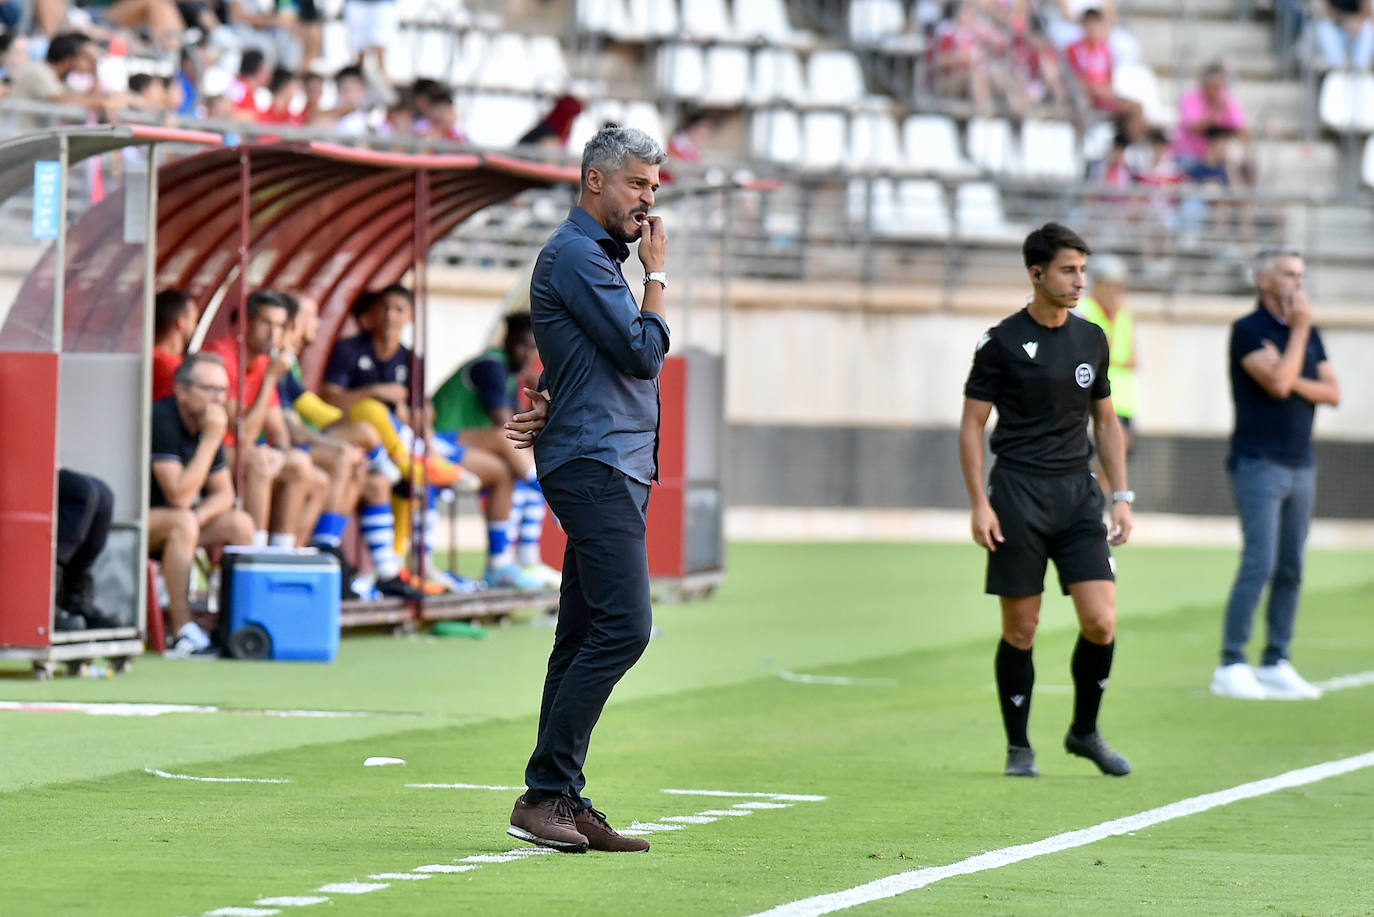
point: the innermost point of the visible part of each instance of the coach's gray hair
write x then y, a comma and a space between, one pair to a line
1264, 260
612, 147
185, 374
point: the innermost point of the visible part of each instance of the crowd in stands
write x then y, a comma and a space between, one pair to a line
353, 450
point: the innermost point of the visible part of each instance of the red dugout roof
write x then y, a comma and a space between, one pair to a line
325, 220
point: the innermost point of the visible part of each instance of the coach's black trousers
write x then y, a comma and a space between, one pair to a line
84, 507
604, 617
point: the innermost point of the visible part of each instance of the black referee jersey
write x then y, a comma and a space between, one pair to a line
1043, 382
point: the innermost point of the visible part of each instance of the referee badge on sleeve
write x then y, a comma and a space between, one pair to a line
1084, 375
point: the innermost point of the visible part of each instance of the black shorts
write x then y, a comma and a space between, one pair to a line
1046, 517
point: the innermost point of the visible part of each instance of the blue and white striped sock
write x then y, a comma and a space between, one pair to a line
379, 531
329, 531
531, 523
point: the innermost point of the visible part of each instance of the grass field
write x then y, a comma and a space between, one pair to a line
907, 755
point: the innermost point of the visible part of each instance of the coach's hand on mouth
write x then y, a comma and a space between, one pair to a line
987, 530
525, 426
1121, 523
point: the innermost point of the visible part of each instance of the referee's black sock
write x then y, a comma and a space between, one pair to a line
1015, 679
1092, 663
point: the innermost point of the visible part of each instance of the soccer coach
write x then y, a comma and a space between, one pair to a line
1045, 369
597, 455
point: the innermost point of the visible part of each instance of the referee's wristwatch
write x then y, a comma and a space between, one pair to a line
1123, 496
660, 276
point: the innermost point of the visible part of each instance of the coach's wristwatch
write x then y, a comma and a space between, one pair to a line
1123, 496
660, 276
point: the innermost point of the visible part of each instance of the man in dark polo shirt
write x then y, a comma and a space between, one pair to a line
192, 493
597, 456
1279, 374
1045, 369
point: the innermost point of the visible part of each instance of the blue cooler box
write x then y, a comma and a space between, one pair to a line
279, 604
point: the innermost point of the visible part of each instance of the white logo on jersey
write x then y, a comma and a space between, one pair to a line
1084, 375
983, 340
364, 362
1018, 699
1030, 347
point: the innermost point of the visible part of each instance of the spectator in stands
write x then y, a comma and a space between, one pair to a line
254, 74
14, 54
174, 322
158, 18
312, 90
372, 28
277, 480
443, 117
693, 133
188, 77
1091, 59
1160, 174
554, 129
421, 91
1209, 104
309, 30
261, 25
46, 80
192, 495
1064, 24
351, 115
285, 86
147, 92
1106, 308
472, 408
960, 57
84, 508
1346, 35
1036, 79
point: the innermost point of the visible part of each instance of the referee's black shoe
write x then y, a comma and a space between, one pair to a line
1021, 762
1095, 748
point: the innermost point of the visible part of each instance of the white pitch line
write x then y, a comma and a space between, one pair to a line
735, 812
353, 888
160, 773
1342, 682
131, 709
402, 876
691, 819
762, 805
650, 827
242, 912
842, 680
441, 868
891, 886
291, 901
786, 797
461, 786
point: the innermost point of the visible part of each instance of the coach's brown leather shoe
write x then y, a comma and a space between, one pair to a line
549, 824
601, 836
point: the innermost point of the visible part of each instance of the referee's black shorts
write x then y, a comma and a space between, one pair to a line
1046, 517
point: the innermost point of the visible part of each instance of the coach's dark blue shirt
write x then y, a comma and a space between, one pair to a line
1277, 429
601, 355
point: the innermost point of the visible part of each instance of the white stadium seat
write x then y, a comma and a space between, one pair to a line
1346, 103
706, 19
1367, 163
835, 78
873, 21
776, 135
547, 65
1097, 141
646, 117
913, 208
765, 19
499, 120
979, 216
434, 54
1138, 82
650, 19
874, 142
932, 145
777, 77
681, 71
991, 145
727, 75
507, 64
335, 54
599, 17
823, 140
1049, 149
586, 124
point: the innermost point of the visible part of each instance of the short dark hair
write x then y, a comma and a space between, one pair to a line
364, 302
65, 46
168, 307
140, 81
186, 371
397, 289
267, 299
1043, 244
1091, 14
441, 97
281, 78
349, 73
251, 62
517, 324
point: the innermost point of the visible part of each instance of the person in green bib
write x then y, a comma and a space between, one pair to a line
1107, 309
471, 410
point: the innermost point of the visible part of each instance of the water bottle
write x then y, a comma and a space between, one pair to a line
98, 670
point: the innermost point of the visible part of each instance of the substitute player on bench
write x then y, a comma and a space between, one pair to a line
1045, 369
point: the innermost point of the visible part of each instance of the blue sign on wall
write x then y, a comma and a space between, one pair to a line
47, 191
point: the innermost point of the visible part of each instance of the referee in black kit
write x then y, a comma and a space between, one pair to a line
1045, 369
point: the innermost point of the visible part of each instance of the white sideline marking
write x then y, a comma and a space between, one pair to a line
160, 773
460, 786
292, 901
691, 819
382, 761
891, 886
438, 867
242, 912
649, 827
843, 680
353, 888
507, 857
719, 812
123, 709
403, 876
1341, 682
788, 797
762, 805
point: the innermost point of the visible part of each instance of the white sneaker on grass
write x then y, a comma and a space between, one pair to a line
1237, 680
1282, 682
191, 642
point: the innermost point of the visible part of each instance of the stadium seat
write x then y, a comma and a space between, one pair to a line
932, 145
979, 216
507, 63
776, 77
1346, 102
334, 53
646, 117
874, 142
776, 135
547, 64
835, 78
873, 21
1138, 82
823, 140
1367, 163
1049, 149
766, 20
586, 124
498, 119
650, 19
681, 71
921, 212
991, 145
706, 19
400, 52
600, 17
727, 76
1097, 140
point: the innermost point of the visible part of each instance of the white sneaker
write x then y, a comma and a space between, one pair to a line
547, 576
1237, 680
1282, 681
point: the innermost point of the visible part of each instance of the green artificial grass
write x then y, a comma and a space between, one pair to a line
909, 761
